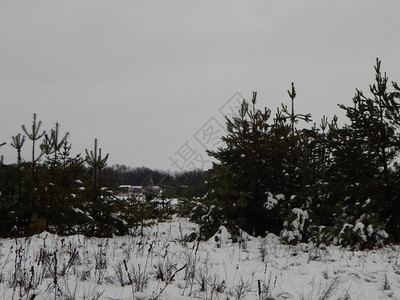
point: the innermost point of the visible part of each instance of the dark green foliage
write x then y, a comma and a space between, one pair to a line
34, 135
55, 191
242, 180
179, 184
17, 143
325, 184
365, 152
67, 194
204, 212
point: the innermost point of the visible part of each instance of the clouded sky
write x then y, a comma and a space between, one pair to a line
150, 79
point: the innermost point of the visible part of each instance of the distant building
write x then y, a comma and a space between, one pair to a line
136, 191
152, 190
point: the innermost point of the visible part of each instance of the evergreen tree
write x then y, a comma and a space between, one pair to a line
61, 199
17, 143
51, 148
35, 135
103, 207
364, 153
95, 160
241, 183
296, 140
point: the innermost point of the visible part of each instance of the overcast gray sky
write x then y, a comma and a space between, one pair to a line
149, 78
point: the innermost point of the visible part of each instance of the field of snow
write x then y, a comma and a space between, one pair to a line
162, 265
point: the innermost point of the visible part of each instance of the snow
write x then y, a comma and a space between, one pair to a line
272, 200
221, 237
294, 231
77, 210
345, 226
368, 201
163, 265
383, 234
370, 229
359, 226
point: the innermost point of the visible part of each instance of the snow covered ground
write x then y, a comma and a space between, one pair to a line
161, 265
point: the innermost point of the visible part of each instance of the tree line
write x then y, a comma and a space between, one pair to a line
142, 176
66, 194
326, 184
330, 183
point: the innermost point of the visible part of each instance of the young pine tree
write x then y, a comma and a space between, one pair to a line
241, 181
34, 135
17, 143
369, 146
